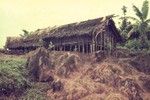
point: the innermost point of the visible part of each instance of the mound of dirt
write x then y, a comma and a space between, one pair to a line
109, 80
68, 63
114, 75
121, 53
82, 78
141, 63
39, 65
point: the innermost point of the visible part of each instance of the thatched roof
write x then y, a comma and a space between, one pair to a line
84, 28
18, 42
74, 29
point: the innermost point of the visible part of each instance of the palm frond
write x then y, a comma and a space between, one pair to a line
145, 9
138, 12
131, 32
142, 27
21, 35
147, 21
132, 18
148, 28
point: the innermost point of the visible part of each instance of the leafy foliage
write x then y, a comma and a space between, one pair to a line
137, 33
36, 92
138, 12
141, 22
12, 76
133, 44
124, 20
145, 9
25, 34
125, 26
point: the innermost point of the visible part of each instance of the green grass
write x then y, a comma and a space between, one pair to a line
14, 80
37, 91
13, 76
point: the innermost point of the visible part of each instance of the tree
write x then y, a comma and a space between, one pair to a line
125, 25
124, 19
25, 33
141, 22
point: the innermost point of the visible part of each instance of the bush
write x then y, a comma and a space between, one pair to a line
133, 44
137, 45
36, 92
12, 76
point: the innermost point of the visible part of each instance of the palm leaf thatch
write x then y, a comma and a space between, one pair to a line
74, 29
19, 43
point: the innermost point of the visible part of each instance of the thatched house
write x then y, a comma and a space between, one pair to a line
87, 37
25, 44
20, 44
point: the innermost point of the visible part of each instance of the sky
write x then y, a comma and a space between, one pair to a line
31, 15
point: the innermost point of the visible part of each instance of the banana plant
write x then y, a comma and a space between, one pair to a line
141, 24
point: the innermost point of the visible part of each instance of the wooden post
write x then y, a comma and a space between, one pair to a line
96, 44
56, 48
87, 51
110, 45
91, 48
93, 38
63, 48
70, 47
79, 47
75, 49
103, 41
78, 43
83, 48
60, 48
100, 41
